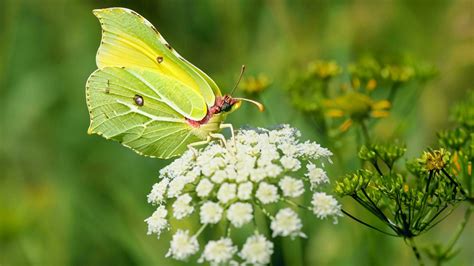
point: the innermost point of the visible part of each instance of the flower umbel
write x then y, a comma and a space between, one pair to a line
357, 107
259, 173
435, 160
255, 84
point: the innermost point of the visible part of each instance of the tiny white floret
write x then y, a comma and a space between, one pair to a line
325, 205
219, 176
176, 186
157, 221
287, 223
211, 212
204, 188
218, 251
267, 193
158, 191
227, 192
316, 175
240, 213
290, 163
182, 245
291, 187
257, 250
182, 206
245, 191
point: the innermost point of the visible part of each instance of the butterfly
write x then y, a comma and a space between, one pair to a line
148, 97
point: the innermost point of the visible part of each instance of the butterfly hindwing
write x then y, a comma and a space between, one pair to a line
129, 40
137, 108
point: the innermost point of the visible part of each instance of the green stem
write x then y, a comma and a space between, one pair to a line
297, 205
200, 230
278, 258
377, 167
456, 236
415, 250
303, 241
322, 118
378, 210
326, 87
420, 213
320, 124
454, 182
366, 224
393, 92
428, 225
365, 132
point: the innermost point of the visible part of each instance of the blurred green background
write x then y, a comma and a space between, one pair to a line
67, 198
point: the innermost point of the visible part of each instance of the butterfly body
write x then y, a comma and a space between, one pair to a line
218, 111
145, 95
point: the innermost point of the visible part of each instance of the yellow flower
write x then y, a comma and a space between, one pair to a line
356, 83
255, 84
435, 160
356, 106
371, 85
405, 188
324, 69
398, 73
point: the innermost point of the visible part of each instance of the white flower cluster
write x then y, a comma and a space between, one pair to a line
258, 171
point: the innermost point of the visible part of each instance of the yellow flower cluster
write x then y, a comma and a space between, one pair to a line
356, 106
255, 84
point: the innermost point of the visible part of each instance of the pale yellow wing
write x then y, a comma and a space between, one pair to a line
129, 40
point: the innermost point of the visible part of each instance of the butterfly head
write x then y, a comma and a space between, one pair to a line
225, 104
228, 104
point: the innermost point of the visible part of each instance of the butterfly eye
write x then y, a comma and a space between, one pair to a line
138, 100
226, 107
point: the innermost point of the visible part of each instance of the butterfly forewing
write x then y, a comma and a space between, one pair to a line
212, 84
129, 40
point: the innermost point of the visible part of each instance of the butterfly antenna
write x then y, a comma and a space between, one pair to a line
260, 106
242, 70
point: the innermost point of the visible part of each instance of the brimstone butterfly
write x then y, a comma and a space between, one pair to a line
148, 97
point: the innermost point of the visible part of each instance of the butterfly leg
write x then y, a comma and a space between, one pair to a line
219, 137
199, 143
229, 126
222, 126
